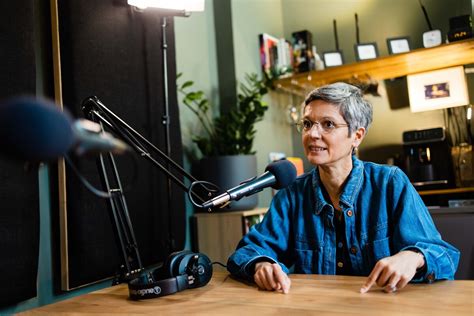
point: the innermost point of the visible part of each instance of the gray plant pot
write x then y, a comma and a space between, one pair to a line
228, 172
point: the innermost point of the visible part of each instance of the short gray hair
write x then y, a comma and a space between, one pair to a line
355, 110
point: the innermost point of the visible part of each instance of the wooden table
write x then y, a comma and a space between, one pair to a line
309, 294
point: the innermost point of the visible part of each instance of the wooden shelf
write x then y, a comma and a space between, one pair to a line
419, 60
446, 191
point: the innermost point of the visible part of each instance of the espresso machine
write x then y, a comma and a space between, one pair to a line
427, 159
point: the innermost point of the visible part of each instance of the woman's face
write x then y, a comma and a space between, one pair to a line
327, 142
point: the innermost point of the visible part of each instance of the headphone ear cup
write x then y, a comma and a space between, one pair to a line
174, 262
185, 263
200, 269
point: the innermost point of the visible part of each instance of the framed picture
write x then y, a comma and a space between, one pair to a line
366, 51
437, 89
334, 58
397, 45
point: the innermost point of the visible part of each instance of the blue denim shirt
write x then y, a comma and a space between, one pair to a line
383, 215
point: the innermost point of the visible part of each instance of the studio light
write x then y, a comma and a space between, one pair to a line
179, 5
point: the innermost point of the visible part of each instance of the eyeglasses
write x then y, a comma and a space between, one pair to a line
325, 126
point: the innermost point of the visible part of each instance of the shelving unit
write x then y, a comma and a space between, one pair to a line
446, 191
419, 60
218, 233
454, 197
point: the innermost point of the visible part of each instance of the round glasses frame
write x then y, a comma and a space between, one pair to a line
325, 126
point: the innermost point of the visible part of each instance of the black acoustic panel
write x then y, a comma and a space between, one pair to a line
19, 232
19, 209
114, 52
17, 54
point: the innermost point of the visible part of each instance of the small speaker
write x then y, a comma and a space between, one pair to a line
460, 27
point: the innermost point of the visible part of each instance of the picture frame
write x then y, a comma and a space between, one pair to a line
333, 58
438, 89
398, 45
366, 51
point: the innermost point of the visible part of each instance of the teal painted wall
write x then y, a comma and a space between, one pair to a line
378, 20
196, 59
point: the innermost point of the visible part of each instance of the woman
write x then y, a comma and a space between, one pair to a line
346, 216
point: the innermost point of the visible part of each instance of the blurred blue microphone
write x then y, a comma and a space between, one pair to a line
36, 129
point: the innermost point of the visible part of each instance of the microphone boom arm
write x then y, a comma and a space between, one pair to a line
96, 111
93, 106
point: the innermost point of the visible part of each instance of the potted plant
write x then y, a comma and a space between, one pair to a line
226, 143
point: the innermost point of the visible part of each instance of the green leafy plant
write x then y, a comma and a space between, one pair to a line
233, 132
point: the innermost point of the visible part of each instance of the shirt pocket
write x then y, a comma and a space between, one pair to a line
376, 250
308, 261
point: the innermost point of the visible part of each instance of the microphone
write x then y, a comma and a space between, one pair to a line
278, 175
37, 129
91, 139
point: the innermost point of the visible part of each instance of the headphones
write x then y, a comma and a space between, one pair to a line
182, 270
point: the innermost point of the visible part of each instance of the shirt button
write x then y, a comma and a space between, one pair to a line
340, 264
349, 213
353, 250
430, 277
340, 245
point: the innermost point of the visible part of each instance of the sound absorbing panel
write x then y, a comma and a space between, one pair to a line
19, 202
112, 51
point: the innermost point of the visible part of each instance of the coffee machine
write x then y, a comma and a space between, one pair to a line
427, 157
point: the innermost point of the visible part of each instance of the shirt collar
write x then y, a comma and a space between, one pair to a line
350, 190
354, 182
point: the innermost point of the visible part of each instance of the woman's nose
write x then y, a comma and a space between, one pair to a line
315, 131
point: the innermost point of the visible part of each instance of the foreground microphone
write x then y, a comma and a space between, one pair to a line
37, 129
91, 139
278, 175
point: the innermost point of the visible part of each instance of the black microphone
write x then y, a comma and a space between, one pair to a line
278, 175
36, 129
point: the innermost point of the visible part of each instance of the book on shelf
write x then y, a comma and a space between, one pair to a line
275, 55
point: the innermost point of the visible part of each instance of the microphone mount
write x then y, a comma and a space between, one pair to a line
96, 111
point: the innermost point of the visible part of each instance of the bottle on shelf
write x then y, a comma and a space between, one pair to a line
318, 62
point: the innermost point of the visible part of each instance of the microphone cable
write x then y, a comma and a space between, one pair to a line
211, 190
87, 184
98, 192
219, 263
208, 186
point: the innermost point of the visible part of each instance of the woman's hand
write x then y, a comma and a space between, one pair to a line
393, 273
270, 276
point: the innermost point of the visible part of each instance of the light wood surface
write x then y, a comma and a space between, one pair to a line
309, 294
386, 67
58, 99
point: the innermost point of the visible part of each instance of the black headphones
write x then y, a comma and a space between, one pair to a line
182, 270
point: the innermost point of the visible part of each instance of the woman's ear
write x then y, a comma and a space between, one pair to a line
358, 136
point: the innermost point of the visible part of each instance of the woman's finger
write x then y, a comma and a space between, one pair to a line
392, 284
